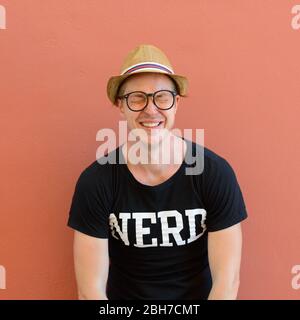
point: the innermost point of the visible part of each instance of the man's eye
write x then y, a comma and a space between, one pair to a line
162, 96
138, 97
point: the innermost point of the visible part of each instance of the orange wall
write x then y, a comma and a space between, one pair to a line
242, 60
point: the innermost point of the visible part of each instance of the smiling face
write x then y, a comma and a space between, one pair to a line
153, 121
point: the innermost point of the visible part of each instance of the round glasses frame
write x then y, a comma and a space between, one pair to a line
125, 96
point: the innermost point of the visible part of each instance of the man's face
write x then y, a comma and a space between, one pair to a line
149, 83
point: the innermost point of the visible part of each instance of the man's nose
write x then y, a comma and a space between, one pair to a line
150, 108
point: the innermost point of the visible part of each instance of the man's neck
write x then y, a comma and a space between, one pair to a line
160, 157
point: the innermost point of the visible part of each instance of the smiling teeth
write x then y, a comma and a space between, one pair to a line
153, 124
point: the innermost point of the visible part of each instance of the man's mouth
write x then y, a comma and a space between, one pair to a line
151, 124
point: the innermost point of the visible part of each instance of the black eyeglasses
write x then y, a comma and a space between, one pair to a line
138, 100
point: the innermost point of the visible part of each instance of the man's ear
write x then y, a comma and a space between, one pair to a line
119, 105
177, 98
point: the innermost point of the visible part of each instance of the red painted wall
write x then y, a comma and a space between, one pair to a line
242, 61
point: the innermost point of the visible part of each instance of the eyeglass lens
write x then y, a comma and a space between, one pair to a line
162, 99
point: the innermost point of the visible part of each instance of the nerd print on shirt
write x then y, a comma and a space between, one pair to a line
158, 229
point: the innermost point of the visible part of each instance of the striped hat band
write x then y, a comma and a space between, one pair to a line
147, 66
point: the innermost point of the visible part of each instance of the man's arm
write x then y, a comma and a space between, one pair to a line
91, 261
224, 253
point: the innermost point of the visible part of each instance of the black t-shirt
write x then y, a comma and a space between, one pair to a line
157, 234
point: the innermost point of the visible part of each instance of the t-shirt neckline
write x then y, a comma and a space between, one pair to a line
159, 186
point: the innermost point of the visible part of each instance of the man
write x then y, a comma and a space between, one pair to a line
147, 230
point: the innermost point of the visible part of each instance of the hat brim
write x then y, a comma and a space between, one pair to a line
115, 82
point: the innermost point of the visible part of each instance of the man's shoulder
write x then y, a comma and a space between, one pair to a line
101, 169
213, 161
209, 154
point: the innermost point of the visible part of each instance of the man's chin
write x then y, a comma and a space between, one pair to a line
156, 139
149, 137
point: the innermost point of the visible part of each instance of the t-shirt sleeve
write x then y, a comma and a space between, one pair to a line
223, 197
89, 211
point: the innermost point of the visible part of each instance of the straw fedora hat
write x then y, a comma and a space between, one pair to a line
145, 58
